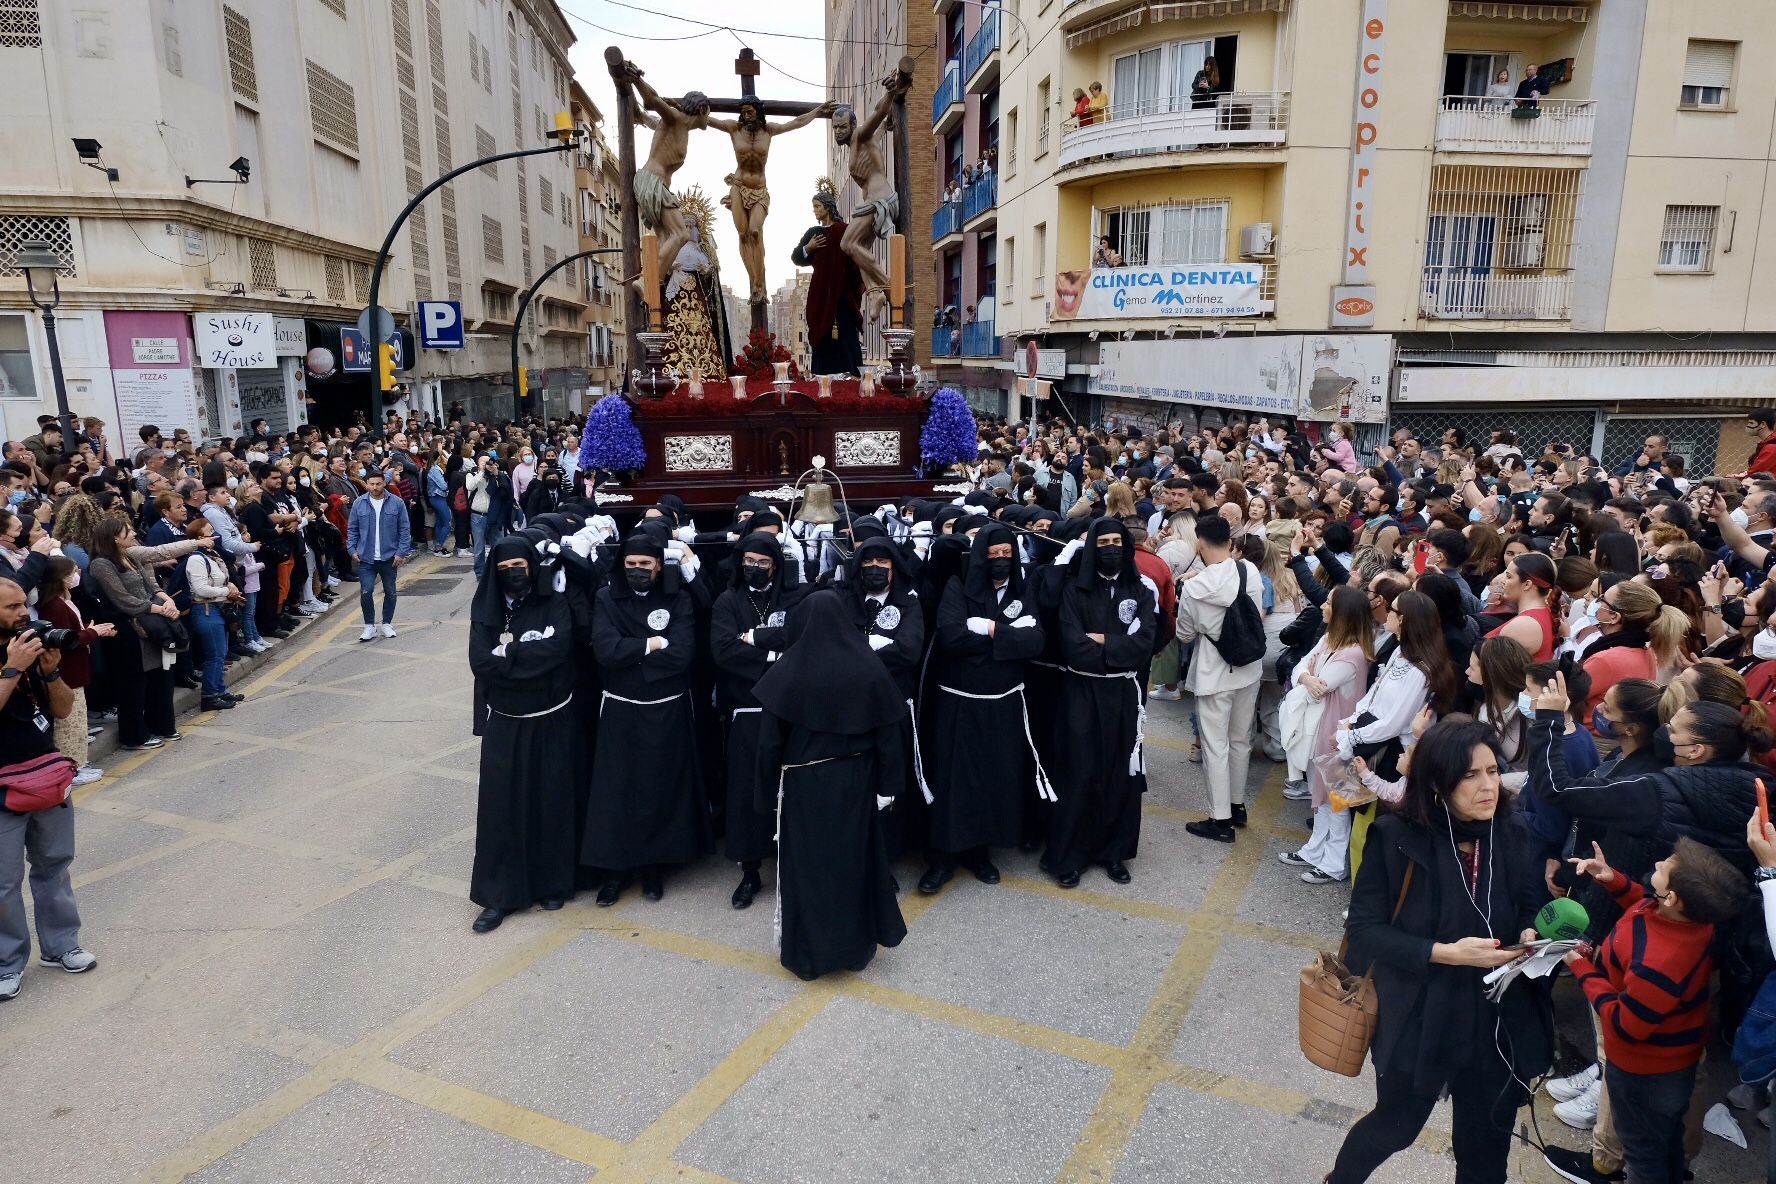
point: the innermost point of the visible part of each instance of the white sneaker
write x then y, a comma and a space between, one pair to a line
465, 553
264, 643
93, 732
1292, 859
87, 775
1565, 1089
388, 630
9, 987
1581, 1112
256, 647
314, 608
332, 581
1169, 694
369, 633
75, 961
1296, 791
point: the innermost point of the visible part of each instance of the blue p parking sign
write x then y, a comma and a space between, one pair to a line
440, 324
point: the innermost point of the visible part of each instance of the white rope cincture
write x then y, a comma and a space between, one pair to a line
1138, 756
777, 837
534, 714
1044, 788
636, 702
918, 759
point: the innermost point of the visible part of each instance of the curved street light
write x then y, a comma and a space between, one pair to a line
520, 387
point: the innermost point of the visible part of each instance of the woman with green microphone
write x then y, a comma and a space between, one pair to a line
1448, 884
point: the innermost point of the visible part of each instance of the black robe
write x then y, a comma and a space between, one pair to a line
978, 759
737, 611
530, 757
646, 806
1097, 814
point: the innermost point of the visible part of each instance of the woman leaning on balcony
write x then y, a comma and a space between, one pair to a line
1501, 92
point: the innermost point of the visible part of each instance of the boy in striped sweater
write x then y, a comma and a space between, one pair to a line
1648, 983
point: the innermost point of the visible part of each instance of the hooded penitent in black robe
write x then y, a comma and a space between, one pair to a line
1097, 817
979, 751
522, 656
829, 754
646, 806
893, 627
747, 632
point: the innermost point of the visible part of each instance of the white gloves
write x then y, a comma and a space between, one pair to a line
883, 803
980, 625
499, 651
1024, 623
688, 563
1068, 551
685, 534
747, 637
652, 647
878, 642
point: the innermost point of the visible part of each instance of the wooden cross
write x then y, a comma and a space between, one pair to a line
747, 67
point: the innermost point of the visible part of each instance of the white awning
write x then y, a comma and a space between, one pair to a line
1483, 385
1576, 14
1170, 10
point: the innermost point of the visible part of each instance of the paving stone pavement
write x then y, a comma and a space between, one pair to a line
289, 991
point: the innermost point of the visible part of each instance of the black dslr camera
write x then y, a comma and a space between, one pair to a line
52, 637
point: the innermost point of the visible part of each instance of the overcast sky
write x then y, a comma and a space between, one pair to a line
706, 63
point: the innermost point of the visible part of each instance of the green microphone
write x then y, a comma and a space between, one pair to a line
1562, 919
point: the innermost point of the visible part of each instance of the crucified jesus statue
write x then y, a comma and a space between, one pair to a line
876, 218
748, 197
672, 124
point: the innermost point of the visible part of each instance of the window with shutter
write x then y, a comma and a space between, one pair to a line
1687, 241
1708, 73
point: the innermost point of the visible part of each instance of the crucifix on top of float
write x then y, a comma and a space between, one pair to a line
672, 121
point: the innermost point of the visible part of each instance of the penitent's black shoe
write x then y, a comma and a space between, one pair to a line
749, 888
984, 871
1220, 830
932, 882
1068, 879
489, 920
1239, 815
553, 903
1117, 872
652, 886
609, 893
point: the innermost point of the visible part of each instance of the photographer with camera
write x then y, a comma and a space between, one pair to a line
33, 693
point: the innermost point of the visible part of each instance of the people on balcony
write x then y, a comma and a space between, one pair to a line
1501, 92
1532, 89
1098, 102
1081, 108
1105, 255
1206, 84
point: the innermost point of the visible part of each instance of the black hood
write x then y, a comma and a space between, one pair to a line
829, 680
1088, 575
976, 582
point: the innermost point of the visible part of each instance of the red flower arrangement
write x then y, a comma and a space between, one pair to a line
757, 359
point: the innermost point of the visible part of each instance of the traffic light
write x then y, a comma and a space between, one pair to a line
385, 366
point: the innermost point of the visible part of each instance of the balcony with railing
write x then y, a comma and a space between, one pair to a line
946, 102
1241, 119
1550, 127
946, 220
980, 60
946, 341
979, 340
980, 199
1470, 294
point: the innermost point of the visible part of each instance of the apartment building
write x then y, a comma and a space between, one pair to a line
1367, 211
865, 41
789, 318
600, 208
246, 159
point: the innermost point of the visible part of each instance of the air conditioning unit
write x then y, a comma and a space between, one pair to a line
1257, 241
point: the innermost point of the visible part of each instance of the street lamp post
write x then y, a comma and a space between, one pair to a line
518, 383
42, 269
568, 139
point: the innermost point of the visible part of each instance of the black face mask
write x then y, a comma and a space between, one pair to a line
999, 569
514, 581
758, 578
874, 579
1662, 749
1110, 559
640, 579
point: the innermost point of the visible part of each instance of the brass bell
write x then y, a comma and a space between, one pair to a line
817, 504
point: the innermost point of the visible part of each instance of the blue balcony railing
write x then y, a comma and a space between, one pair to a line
949, 90
979, 340
946, 219
980, 197
983, 44
945, 342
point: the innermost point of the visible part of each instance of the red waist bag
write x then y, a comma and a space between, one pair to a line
40, 783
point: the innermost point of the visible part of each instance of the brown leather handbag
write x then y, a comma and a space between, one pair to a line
1337, 1009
